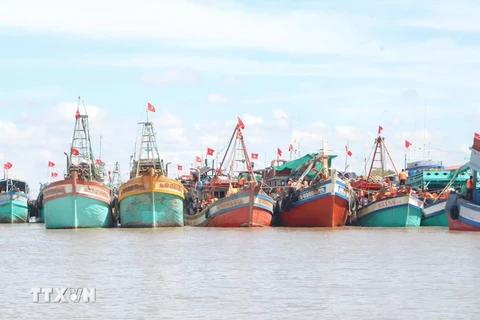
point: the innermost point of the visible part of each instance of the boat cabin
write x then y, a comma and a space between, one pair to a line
12, 184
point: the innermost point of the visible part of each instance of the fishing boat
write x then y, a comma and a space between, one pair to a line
464, 214
385, 206
434, 175
149, 198
14, 197
233, 197
434, 214
81, 199
318, 197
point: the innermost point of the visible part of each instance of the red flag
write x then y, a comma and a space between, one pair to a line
477, 135
7, 166
77, 114
254, 156
179, 167
210, 152
98, 161
54, 174
150, 107
75, 152
198, 159
240, 123
51, 164
380, 128
279, 152
407, 144
349, 153
290, 148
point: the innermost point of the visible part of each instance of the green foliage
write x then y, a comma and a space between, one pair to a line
378, 172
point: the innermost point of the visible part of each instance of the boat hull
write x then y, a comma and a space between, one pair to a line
434, 215
399, 211
71, 204
468, 214
14, 207
151, 201
327, 205
234, 212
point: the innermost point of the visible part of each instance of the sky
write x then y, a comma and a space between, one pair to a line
299, 71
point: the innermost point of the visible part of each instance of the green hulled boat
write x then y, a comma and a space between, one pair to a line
386, 207
150, 199
81, 199
436, 177
14, 196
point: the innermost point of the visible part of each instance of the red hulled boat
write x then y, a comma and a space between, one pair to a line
232, 198
325, 202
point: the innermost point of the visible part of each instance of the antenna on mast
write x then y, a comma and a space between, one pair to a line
424, 129
100, 150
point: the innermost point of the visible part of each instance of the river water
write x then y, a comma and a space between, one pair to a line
271, 273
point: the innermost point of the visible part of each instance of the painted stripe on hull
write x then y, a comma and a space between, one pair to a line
434, 215
469, 214
324, 211
233, 212
401, 211
14, 210
151, 209
325, 205
77, 211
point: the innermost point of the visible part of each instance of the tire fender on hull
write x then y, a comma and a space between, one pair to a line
454, 212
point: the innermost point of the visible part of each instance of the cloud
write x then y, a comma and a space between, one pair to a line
279, 114
67, 110
249, 120
231, 80
170, 76
194, 25
319, 124
216, 99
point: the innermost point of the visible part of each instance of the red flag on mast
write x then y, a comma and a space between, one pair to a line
254, 156
240, 123
150, 107
75, 152
349, 153
179, 167
210, 152
51, 164
290, 148
279, 152
407, 144
380, 128
7, 166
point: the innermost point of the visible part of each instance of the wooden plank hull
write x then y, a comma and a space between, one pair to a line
326, 205
399, 211
468, 214
151, 201
234, 212
72, 204
13, 207
434, 215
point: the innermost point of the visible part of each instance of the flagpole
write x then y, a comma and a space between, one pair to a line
265, 166
346, 156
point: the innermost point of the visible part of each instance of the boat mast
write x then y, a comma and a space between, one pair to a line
424, 129
325, 158
148, 155
81, 146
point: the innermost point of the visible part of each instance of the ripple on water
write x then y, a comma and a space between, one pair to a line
271, 273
